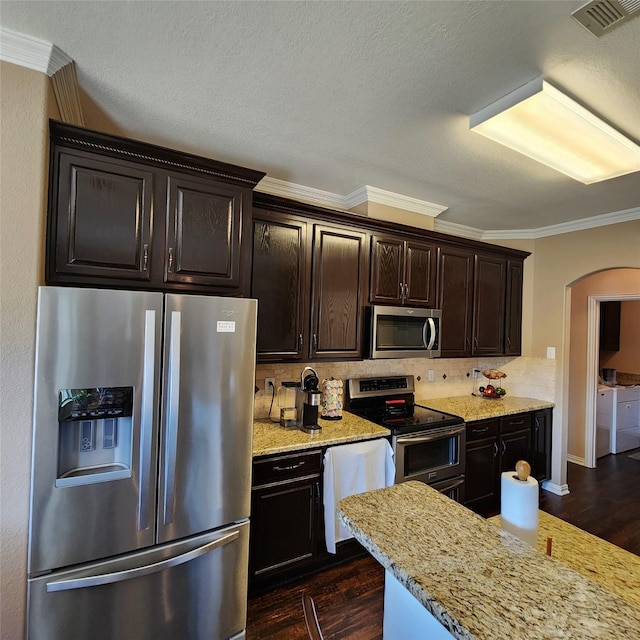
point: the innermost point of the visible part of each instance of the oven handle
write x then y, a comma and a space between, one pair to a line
429, 436
455, 482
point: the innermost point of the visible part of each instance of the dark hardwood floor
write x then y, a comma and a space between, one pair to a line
604, 501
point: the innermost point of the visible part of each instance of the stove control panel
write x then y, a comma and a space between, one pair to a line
374, 387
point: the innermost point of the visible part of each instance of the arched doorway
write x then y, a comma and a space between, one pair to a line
580, 394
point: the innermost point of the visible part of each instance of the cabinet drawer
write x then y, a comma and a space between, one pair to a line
515, 422
285, 467
482, 429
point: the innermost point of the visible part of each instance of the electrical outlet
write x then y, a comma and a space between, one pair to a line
269, 385
430, 375
475, 373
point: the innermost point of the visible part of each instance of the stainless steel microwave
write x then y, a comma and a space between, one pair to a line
404, 332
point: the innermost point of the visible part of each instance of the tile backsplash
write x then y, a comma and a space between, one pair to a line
526, 377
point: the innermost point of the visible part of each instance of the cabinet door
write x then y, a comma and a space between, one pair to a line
513, 447
420, 274
610, 325
339, 280
387, 269
204, 231
283, 525
542, 433
455, 296
280, 283
489, 305
513, 322
100, 219
482, 474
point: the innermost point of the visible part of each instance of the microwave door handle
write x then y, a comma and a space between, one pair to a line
432, 332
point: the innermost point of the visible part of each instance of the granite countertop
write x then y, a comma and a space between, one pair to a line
480, 582
471, 408
611, 567
269, 437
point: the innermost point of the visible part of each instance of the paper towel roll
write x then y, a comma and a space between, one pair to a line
519, 507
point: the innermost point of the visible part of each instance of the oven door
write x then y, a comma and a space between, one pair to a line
430, 455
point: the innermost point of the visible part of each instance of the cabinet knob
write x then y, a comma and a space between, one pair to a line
170, 266
145, 257
299, 341
314, 341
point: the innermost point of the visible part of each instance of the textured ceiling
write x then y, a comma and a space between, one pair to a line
338, 95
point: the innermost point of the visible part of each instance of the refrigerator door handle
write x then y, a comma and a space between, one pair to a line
138, 572
171, 433
146, 422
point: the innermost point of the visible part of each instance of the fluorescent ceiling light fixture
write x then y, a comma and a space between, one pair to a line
544, 124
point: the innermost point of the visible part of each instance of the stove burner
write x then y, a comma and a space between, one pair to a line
390, 402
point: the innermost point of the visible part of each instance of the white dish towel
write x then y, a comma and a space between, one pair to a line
350, 469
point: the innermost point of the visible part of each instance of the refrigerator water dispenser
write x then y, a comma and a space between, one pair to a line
95, 435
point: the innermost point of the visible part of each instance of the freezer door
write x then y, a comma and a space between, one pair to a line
207, 414
93, 480
192, 590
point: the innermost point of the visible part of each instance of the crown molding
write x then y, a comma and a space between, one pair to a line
345, 203
390, 199
299, 192
30, 52
372, 194
616, 217
455, 229
66, 90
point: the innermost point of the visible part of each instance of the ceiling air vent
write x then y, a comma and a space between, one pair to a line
600, 16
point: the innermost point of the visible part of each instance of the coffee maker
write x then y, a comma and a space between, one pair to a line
308, 400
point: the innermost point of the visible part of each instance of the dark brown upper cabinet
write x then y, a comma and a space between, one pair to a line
339, 279
204, 232
610, 325
513, 321
490, 280
104, 218
281, 284
480, 295
403, 271
455, 299
309, 280
128, 214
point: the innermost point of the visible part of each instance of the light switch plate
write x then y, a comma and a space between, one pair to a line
551, 353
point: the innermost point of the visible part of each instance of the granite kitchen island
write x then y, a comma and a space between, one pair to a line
474, 581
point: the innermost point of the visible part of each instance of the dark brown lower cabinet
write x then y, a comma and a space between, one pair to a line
482, 465
287, 521
285, 513
542, 433
495, 446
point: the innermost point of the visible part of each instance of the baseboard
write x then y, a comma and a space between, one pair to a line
576, 460
558, 489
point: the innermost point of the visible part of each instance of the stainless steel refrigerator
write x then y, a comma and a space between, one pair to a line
140, 491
